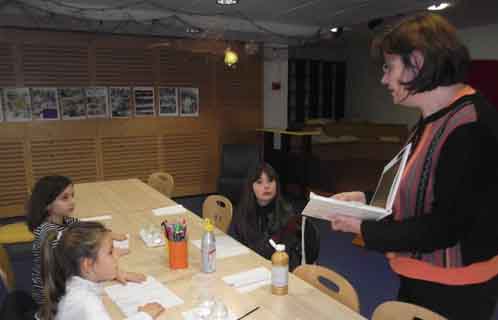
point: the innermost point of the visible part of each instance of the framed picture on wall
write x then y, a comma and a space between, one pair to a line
73, 103
144, 101
17, 104
189, 102
120, 98
168, 101
96, 102
44, 104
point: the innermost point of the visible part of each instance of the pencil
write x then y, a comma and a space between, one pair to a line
248, 313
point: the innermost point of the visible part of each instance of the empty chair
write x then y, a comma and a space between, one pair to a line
6, 267
219, 210
17, 232
345, 293
396, 310
162, 182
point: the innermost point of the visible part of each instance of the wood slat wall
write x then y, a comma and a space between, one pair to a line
104, 149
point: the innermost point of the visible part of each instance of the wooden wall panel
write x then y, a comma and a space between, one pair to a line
75, 158
129, 157
7, 75
98, 149
55, 65
13, 182
124, 67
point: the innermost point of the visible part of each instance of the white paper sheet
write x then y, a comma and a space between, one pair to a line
97, 218
171, 210
132, 295
225, 247
250, 280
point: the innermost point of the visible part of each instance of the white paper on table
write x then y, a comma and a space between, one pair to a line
190, 315
249, 280
132, 295
171, 210
97, 218
226, 246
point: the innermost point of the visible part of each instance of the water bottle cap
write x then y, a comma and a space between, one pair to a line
208, 226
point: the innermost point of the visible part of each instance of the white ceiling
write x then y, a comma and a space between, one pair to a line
280, 21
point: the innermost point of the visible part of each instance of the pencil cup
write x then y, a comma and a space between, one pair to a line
178, 254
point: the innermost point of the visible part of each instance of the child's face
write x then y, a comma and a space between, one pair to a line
105, 267
63, 205
264, 189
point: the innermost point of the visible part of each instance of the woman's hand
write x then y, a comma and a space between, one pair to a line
153, 309
346, 224
124, 277
357, 196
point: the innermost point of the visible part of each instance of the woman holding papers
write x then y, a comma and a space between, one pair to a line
263, 214
442, 237
72, 271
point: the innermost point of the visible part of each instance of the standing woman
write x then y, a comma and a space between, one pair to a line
263, 214
442, 240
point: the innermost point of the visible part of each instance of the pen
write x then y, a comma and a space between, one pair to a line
248, 313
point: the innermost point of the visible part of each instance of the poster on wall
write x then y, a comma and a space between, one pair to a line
189, 102
168, 101
44, 104
119, 98
96, 102
144, 101
17, 104
73, 103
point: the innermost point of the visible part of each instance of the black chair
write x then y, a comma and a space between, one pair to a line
236, 160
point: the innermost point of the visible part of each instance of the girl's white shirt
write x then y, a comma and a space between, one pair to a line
83, 301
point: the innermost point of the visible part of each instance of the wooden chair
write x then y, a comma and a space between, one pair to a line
345, 292
162, 182
6, 267
219, 210
396, 310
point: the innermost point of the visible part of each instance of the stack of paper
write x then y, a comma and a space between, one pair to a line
167, 211
225, 247
133, 295
249, 280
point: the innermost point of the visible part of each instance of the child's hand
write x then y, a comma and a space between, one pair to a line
124, 277
154, 309
118, 236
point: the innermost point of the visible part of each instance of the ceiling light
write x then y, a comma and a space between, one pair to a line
227, 2
231, 57
193, 30
335, 29
440, 6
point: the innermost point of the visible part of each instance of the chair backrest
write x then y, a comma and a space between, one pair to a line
396, 310
162, 182
345, 292
6, 267
219, 210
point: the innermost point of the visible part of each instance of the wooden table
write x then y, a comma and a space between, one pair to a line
130, 203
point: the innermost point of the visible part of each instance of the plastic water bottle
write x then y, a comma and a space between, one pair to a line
279, 269
208, 248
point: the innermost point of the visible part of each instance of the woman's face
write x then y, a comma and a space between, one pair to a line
264, 189
396, 72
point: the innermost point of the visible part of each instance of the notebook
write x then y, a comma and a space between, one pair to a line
379, 207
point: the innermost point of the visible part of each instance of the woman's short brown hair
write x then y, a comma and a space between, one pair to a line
446, 59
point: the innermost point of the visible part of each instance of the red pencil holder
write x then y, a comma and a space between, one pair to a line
178, 254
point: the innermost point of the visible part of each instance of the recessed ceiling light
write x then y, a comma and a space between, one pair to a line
227, 2
335, 29
440, 6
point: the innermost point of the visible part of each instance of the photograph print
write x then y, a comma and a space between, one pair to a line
44, 104
17, 104
119, 98
96, 102
144, 101
189, 102
168, 101
73, 103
